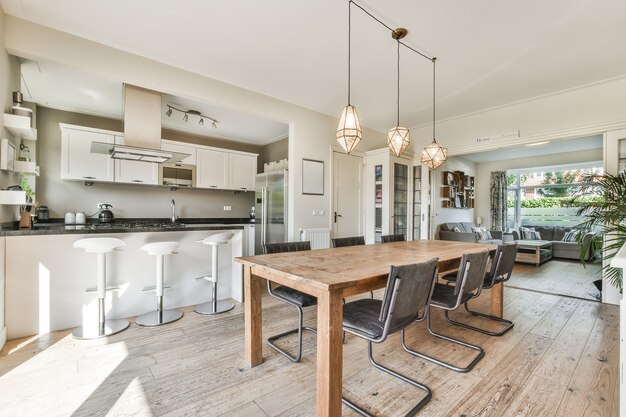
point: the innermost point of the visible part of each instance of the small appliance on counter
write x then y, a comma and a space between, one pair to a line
43, 213
105, 215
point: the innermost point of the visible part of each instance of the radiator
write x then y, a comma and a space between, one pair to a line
319, 238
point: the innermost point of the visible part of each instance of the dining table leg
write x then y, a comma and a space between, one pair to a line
329, 354
253, 317
497, 300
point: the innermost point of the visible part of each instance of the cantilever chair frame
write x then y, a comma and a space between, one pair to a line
465, 268
386, 332
493, 280
270, 340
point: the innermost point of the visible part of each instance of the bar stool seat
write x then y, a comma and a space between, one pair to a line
214, 306
100, 246
160, 316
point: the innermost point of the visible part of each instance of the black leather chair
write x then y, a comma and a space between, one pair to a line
290, 296
348, 241
409, 289
392, 238
501, 270
469, 284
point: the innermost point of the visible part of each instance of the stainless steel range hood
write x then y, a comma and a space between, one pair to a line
142, 130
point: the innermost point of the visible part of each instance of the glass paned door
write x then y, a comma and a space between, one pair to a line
417, 202
400, 198
378, 202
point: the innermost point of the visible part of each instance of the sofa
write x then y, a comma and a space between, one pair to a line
560, 249
462, 232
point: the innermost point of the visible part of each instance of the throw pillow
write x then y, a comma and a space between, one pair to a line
483, 233
536, 235
571, 236
528, 233
456, 229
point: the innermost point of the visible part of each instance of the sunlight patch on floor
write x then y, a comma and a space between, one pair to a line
133, 401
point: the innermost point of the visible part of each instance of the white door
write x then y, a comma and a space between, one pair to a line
348, 212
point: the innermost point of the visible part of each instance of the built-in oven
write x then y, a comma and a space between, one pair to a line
177, 175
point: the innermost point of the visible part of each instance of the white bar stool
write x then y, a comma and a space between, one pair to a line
100, 246
214, 306
160, 316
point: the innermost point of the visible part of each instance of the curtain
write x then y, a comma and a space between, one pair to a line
498, 201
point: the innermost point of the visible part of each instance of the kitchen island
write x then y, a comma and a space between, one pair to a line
48, 282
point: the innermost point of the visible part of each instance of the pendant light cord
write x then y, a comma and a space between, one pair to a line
434, 61
398, 96
349, 42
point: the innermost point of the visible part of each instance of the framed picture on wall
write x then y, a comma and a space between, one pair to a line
312, 177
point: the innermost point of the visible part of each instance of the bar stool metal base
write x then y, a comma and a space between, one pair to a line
218, 307
110, 327
157, 318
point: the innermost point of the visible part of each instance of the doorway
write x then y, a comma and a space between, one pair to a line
347, 195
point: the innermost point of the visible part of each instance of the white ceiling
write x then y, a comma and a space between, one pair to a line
491, 53
551, 148
65, 88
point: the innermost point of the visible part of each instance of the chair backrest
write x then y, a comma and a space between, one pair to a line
502, 265
286, 247
348, 241
392, 238
409, 289
471, 275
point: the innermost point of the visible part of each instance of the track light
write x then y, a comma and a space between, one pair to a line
186, 114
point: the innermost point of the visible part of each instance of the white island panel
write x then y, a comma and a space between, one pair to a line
47, 279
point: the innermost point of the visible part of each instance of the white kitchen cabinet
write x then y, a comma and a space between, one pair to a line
212, 169
177, 147
77, 161
135, 172
242, 171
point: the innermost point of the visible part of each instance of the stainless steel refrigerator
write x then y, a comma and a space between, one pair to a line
271, 209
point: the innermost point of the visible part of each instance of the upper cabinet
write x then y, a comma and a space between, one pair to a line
135, 172
172, 146
242, 171
212, 169
77, 161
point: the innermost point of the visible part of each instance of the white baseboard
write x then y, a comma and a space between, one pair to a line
3, 336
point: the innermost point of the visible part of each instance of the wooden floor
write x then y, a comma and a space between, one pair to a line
561, 359
557, 276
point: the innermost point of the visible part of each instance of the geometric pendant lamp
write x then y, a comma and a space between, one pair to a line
434, 154
398, 138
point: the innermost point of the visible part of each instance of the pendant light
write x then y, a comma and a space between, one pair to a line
398, 138
434, 154
349, 132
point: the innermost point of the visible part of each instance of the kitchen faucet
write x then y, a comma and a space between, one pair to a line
173, 211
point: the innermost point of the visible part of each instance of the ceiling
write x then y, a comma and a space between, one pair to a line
63, 87
553, 147
490, 53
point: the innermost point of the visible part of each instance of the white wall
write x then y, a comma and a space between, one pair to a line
311, 133
484, 169
444, 215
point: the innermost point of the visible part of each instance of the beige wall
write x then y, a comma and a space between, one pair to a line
9, 82
128, 200
484, 169
276, 151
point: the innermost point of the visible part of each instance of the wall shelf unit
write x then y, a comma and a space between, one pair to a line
457, 190
19, 126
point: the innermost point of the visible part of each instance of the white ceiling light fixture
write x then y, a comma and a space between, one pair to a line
349, 131
196, 113
398, 138
434, 155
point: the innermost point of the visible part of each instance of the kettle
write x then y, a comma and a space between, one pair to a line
43, 213
105, 215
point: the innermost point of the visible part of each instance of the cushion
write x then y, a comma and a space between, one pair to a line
527, 233
362, 316
443, 296
467, 226
559, 232
483, 233
536, 235
450, 226
456, 229
571, 236
295, 296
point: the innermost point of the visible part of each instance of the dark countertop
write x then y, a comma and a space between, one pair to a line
139, 225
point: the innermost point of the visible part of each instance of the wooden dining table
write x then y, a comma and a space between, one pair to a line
331, 275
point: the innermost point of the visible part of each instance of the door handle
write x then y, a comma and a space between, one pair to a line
337, 215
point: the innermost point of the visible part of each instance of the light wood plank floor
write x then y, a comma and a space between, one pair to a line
561, 359
557, 276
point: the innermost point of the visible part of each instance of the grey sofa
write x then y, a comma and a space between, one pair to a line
560, 249
462, 232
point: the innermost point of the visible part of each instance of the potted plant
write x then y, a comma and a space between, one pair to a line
606, 214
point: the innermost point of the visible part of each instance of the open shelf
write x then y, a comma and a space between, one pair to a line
19, 126
25, 167
17, 198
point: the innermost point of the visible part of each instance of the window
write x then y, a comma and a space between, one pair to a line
540, 196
